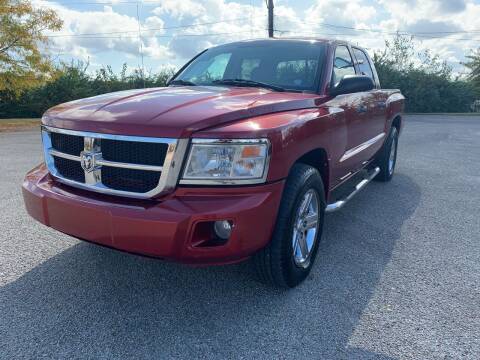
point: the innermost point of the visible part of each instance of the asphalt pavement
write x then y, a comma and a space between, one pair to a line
397, 277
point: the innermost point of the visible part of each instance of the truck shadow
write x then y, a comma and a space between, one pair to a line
93, 302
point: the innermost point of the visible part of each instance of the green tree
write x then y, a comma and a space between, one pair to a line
474, 66
22, 64
426, 81
73, 81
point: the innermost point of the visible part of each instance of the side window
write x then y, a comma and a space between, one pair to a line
363, 63
342, 64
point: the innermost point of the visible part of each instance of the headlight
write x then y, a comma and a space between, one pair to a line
228, 161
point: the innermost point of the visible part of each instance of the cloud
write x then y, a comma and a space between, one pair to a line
425, 26
154, 22
100, 31
221, 21
452, 6
230, 20
340, 12
184, 9
187, 47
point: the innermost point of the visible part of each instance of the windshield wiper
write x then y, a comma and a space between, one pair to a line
245, 82
181, 82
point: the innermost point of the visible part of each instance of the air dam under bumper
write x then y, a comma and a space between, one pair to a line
166, 228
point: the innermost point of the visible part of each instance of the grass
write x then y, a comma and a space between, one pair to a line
7, 125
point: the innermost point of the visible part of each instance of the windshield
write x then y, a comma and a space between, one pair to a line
284, 64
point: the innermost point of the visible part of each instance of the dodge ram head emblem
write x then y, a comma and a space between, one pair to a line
87, 161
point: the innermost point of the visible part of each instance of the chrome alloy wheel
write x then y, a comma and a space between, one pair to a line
391, 158
305, 229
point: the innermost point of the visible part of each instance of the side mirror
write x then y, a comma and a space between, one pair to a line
352, 84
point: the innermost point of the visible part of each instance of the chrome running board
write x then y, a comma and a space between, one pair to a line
337, 205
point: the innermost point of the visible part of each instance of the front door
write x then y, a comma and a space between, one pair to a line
358, 108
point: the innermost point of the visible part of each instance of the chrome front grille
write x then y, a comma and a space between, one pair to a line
132, 166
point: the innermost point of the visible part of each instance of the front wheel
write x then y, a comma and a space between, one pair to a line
387, 157
289, 257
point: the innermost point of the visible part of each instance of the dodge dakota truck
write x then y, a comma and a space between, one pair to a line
240, 156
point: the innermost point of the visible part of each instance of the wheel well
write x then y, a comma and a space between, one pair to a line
318, 159
397, 122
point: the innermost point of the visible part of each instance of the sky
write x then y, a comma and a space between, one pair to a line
166, 33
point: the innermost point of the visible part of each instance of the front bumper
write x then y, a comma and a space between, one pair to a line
170, 228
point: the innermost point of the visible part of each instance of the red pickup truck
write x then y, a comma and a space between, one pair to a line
240, 156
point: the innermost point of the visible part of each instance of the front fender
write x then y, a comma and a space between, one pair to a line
292, 135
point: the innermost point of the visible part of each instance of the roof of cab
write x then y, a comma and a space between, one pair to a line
291, 40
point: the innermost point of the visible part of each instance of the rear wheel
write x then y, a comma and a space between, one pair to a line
387, 158
289, 257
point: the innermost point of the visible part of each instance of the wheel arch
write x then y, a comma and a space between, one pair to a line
397, 122
318, 158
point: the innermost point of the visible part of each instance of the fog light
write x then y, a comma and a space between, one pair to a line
223, 229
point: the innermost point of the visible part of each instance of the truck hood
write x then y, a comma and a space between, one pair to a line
172, 111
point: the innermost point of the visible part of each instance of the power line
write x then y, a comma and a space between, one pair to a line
425, 34
404, 32
426, 37
153, 2
120, 37
127, 2
321, 24
134, 36
148, 2
150, 29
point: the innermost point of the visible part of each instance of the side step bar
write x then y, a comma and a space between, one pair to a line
337, 205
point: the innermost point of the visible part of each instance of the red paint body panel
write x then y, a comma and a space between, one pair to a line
155, 228
295, 124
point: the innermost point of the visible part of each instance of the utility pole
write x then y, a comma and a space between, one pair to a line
270, 18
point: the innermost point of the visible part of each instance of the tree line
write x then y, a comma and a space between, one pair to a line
73, 81
427, 82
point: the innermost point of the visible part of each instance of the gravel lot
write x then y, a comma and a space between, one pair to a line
398, 275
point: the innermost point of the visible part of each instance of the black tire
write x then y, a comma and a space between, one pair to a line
383, 157
276, 264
